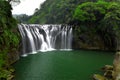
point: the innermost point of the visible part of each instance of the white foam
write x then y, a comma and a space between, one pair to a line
65, 49
24, 55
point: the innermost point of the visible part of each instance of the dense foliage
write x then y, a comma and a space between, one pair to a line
56, 11
100, 18
9, 40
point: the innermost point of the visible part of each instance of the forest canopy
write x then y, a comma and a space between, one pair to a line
59, 11
102, 18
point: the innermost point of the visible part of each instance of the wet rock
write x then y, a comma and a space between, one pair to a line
98, 77
107, 67
116, 65
109, 74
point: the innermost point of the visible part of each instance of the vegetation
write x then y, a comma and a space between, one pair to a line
99, 18
9, 39
96, 25
96, 21
22, 18
56, 11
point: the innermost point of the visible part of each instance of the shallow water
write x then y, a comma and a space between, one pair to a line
62, 65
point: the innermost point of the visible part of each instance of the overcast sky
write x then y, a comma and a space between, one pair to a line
27, 7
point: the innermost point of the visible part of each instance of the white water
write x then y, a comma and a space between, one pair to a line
43, 38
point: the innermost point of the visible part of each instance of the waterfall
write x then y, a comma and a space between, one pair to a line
37, 37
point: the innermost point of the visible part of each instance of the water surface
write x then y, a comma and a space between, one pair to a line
62, 65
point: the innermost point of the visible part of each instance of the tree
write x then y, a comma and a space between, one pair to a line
101, 17
9, 39
13, 2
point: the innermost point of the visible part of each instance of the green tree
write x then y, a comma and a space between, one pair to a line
9, 39
56, 11
111, 23
101, 18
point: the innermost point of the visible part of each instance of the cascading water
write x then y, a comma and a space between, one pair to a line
45, 37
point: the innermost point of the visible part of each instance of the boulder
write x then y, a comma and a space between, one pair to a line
107, 67
98, 77
116, 64
109, 74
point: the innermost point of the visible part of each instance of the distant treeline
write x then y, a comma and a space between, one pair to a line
54, 12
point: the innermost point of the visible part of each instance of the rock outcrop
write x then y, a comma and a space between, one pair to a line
116, 64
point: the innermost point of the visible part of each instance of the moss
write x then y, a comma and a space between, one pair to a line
98, 77
9, 39
108, 73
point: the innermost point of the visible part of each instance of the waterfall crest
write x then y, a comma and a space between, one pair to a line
37, 37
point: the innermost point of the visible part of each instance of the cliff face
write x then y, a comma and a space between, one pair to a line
89, 41
89, 38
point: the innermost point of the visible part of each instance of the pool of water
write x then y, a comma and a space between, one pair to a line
62, 65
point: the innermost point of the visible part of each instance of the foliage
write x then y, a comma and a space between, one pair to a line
6, 74
92, 17
22, 18
14, 2
101, 18
8, 37
90, 11
55, 11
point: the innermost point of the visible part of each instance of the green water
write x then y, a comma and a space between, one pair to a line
62, 65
